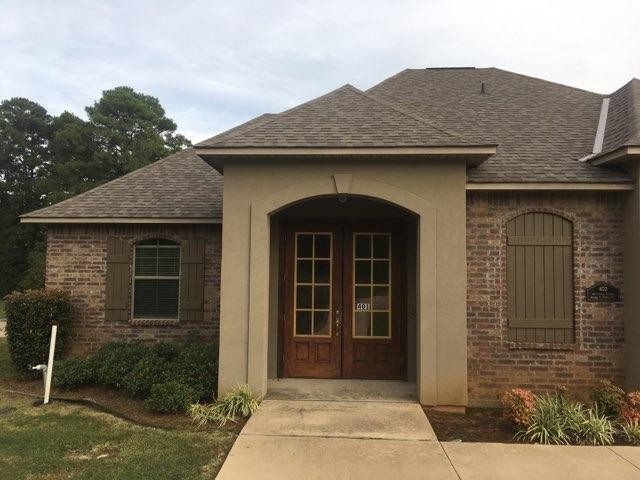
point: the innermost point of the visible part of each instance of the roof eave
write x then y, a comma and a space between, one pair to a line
474, 155
616, 156
120, 220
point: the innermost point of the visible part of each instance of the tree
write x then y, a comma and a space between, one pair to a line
25, 130
132, 130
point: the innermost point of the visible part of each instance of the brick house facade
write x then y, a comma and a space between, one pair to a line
495, 363
77, 262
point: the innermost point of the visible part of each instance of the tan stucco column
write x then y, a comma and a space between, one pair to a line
441, 319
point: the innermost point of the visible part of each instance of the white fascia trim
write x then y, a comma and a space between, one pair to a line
551, 186
207, 221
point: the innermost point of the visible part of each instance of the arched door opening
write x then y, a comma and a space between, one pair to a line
343, 290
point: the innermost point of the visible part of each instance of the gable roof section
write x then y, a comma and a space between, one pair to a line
542, 128
346, 117
623, 120
180, 188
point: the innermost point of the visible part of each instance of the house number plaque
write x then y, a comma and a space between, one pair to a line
363, 306
602, 292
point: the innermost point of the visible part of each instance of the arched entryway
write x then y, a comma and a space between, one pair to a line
343, 290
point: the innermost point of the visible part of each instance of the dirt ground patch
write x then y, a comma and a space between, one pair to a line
476, 425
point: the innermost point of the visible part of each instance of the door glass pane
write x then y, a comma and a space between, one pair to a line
380, 246
362, 246
303, 322
313, 284
320, 323
304, 246
362, 324
380, 298
321, 297
363, 271
323, 246
323, 271
381, 271
304, 271
303, 297
372, 285
380, 324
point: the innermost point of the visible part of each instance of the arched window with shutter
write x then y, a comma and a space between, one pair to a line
540, 278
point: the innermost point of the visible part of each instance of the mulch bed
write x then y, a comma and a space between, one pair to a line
114, 402
476, 425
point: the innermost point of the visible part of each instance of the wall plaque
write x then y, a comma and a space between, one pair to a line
602, 292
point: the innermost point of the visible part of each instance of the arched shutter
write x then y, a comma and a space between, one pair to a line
540, 278
192, 280
118, 279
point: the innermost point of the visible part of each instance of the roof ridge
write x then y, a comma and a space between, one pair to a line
547, 81
408, 113
110, 182
379, 84
277, 116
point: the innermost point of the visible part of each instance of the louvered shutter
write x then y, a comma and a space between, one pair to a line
192, 280
540, 278
118, 279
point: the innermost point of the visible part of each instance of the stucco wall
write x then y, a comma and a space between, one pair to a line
495, 364
432, 186
76, 262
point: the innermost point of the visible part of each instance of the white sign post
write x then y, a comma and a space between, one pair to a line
52, 347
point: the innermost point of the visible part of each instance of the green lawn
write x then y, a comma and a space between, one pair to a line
72, 442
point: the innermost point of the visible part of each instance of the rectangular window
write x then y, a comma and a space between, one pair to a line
312, 299
371, 285
540, 279
156, 280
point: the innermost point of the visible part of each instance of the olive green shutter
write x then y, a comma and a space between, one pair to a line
540, 279
192, 280
118, 279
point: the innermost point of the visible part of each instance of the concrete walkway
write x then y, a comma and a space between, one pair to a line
307, 430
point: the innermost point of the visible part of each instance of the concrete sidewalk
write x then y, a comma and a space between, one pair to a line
349, 430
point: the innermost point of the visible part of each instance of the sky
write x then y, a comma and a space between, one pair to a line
215, 64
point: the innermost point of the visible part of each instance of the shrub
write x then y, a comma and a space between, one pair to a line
170, 397
518, 405
197, 367
594, 428
149, 370
74, 372
550, 422
30, 315
631, 409
238, 402
166, 350
631, 430
115, 360
609, 398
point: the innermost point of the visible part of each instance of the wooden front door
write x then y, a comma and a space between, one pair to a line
342, 314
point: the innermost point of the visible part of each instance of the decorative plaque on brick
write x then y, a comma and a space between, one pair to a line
602, 292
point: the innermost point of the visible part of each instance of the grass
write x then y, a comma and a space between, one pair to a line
67, 441
3, 314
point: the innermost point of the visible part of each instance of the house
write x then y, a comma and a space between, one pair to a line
467, 229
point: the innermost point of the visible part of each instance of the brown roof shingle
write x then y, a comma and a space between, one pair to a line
623, 120
180, 186
346, 117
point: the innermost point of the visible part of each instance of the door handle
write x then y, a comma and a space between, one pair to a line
338, 322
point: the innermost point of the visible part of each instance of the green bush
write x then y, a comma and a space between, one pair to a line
594, 428
166, 350
239, 402
631, 430
197, 367
149, 370
30, 315
115, 360
170, 397
609, 398
74, 372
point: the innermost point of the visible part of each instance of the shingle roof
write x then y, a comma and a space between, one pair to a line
623, 120
542, 128
180, 186
346, 117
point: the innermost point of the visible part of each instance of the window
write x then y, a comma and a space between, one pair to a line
156, 279
540, 279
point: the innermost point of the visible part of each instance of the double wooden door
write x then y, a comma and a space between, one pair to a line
341, 309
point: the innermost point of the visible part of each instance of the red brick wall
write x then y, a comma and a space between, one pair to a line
76, 262
495, 364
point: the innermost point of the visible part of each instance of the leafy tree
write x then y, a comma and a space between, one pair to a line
132, 130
